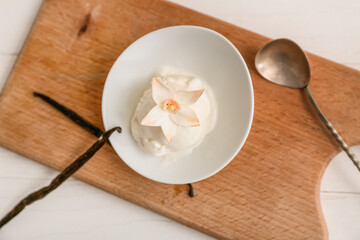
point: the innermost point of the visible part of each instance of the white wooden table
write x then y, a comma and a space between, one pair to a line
79, 211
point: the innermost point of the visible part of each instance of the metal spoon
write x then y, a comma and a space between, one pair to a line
283, 62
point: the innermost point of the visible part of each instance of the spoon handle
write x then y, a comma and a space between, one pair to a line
333, 131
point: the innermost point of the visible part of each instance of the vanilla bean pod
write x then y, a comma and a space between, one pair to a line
65, 174
191, 190
71, 114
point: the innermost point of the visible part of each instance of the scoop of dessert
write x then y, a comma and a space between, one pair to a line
174, 115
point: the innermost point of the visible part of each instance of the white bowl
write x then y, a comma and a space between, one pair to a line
208, 55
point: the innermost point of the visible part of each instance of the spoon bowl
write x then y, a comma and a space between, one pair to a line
283, 62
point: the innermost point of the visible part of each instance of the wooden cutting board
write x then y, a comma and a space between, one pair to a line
269, 191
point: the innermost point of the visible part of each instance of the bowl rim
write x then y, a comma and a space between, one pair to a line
249, 120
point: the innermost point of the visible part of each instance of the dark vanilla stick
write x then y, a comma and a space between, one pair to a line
65, 174
71, 114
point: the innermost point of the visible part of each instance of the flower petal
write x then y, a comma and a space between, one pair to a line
188, 97
155, 117
169, 130
186, 117
160, 93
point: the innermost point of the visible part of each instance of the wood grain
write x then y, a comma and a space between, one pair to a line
269, 191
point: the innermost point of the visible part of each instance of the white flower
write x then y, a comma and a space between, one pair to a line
172, 109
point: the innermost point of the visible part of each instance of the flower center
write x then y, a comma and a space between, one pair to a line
171, 106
